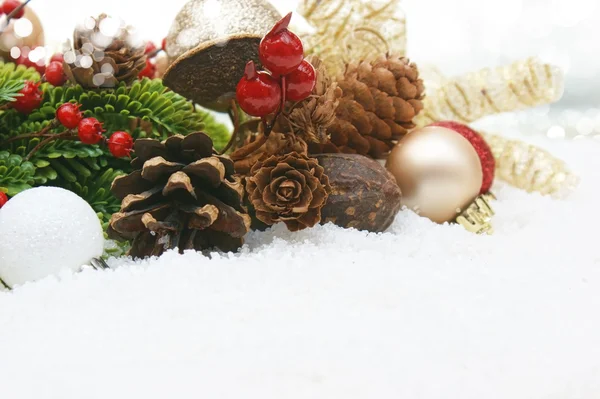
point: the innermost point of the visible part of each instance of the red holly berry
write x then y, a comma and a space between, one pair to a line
10, 5
55, 74
24, 60
300, 83
58, 57
488, 163
90, 131
3, 199
258, 93
120, 144
280, 50
30, 100
149, 71
69, 115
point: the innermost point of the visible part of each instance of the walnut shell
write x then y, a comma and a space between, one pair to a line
364, 195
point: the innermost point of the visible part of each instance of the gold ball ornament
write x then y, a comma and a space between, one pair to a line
438, 171
210, 43
24, 32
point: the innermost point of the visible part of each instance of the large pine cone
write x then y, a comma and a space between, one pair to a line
380, 100
104, 61
290, 188
181, 195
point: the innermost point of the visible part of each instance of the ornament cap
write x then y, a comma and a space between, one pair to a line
477, 217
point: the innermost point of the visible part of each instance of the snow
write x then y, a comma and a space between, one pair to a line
423, 311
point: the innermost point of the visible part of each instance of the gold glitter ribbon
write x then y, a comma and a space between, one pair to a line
350, 30
467, 98
530, 168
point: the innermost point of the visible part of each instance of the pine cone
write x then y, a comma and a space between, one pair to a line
113, 59
259, 148
290, 188
180, 195
310, 118
380, 100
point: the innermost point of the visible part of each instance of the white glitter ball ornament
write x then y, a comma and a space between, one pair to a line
45, 230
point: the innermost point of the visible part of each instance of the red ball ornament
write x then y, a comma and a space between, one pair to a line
69, 115
90, 131
300, 83
149, 71
258, 93
120, 144
3, 199
488, 163
30, 99
55, 74
281, 51
10, 5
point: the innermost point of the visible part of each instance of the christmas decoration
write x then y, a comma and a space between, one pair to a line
438, 171
14, 8
120, 144
90, 131
122, 61
364, 195
488, 163
69, 115
181, 195
3, 199
530, 168
300, 83
467, 98
281, 51
291, 188
380, 100
210, 46
347, 31
30, 98
45, 230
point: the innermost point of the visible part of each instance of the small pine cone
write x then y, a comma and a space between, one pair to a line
181, 195
259, 148
290, 188
380, 100
311, 118
113, 59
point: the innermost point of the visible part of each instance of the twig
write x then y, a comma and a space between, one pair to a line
65, 135
234, 114
41, 133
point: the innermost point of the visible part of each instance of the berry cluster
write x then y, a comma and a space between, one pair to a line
290, 76
89, 130
151, 52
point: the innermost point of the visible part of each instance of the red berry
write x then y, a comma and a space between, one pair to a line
149, 71
300, 83
257, 92
55, 74
10, 5
3, 199
58, 57
30, 100
69, 115
90, 131
488, 163
280, 50
24, 60
120, 144
150, 47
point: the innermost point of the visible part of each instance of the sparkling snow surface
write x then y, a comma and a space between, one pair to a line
423, 311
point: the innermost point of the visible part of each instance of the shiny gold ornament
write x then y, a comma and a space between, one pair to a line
530, 168
210, 43
438, 171
467, 98
10, 38
353, 30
